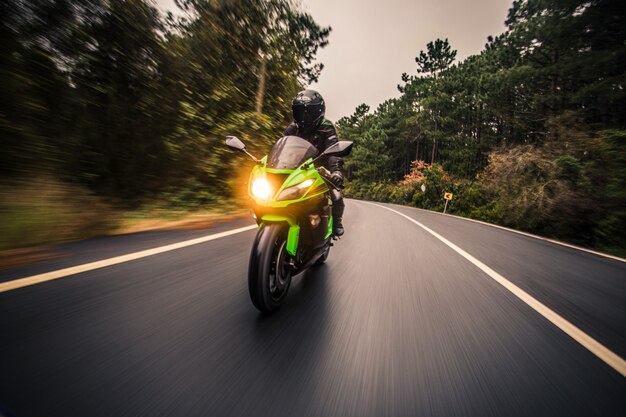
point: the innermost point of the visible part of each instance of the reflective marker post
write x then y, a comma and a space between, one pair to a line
448, 197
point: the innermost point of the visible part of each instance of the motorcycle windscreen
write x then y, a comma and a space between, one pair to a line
290, 152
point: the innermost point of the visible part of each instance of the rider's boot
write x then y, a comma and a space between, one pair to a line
337, 219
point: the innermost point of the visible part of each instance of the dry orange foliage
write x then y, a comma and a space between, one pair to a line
416, 175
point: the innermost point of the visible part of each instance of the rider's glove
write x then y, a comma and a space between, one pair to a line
336, 178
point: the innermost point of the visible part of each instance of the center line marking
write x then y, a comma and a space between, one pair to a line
595, 347
73, 270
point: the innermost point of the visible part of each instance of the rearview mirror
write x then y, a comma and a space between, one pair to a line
341, 148
235, 143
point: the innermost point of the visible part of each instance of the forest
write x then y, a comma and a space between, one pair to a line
529, 134
110, 106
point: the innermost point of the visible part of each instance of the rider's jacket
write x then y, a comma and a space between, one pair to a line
321, 137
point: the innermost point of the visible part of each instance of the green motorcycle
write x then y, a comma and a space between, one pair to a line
292, 206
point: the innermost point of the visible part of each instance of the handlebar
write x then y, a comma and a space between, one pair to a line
325, 174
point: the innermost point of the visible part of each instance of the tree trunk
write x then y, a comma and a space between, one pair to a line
417, 149
432, 157
260, 92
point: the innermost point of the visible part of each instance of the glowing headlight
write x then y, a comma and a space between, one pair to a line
261, 188
306, 183
296, 191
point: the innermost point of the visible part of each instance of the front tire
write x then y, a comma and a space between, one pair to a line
269, 271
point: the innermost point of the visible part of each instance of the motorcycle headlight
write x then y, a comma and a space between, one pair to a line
261, 188
295, 191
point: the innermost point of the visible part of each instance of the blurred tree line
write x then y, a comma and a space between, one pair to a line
132, 105
530, 133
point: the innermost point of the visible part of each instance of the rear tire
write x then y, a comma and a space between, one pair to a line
269, 272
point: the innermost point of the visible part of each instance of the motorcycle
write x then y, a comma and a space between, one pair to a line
291, 203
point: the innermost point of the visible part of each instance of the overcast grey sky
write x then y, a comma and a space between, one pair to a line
373, 42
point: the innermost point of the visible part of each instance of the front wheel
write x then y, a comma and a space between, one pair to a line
269, 272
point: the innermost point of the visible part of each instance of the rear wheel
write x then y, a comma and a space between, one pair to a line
269, 272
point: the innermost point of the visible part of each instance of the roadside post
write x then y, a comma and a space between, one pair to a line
448, 197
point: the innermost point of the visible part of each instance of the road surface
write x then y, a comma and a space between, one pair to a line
397, 323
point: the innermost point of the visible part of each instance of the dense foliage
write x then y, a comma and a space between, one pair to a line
133, 105
530, 133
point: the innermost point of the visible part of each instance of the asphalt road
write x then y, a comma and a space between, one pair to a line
395, 324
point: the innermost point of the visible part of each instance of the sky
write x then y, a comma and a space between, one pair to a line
373, 42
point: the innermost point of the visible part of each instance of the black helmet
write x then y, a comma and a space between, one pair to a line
308, 109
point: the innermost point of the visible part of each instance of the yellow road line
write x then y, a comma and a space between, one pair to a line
73, 270
595, 347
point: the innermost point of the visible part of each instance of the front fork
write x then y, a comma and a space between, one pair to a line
293, 235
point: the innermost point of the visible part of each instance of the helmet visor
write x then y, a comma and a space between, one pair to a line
306, 116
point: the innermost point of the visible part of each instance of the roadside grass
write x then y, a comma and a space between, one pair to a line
43, 211
163, 219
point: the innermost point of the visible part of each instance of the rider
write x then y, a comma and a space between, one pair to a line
309, 123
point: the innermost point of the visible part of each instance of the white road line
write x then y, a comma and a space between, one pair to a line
61, 273
610, 358
519, 232
546, 239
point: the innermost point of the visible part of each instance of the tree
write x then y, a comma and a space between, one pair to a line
433, 63
436, 59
